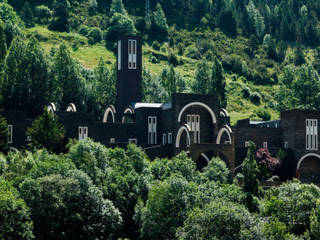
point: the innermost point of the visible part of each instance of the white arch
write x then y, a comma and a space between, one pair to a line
106, 114
51, 108
71, 108
305, 156
214, 120
224, 113
226, 129
205, 157
187, 129
127, 110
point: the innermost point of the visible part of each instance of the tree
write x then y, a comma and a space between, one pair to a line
47, 132
267, 164
202, 78
159, 24
152, 89
3, 44
27, 15
216, 171
221, 220
166, 208
299, 56
74, 208
60, 18
26, 77
117, 7
68, 80
105, 89
218, 83
227, 21
14, 214
43, 14
256, 19
3, 134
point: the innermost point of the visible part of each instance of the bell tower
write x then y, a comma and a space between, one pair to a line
129, 69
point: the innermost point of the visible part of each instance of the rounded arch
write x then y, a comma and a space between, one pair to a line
225, 129
202, 162
71, 108
205, 157
51, 108
110, 110
306, 156
128, 110
224, 113
184, 128
214, 119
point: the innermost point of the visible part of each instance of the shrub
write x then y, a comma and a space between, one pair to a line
84, 30
173, 59
263, 114
232, 63
96, 34
156, 45
255, 98
246, 92
193, 52
163, 49
43, 14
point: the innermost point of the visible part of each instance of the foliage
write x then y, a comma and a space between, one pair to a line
43, 14
159, 24
153, 90
3, 43
47, 132
216, 171
315, 222
265, 160
291, 204
60, 17
26, 84
3, 134
166, 208
14, 214
27, 15
220, 220
72, 200
95, 34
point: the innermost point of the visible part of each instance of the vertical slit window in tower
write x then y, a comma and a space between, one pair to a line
119, 55
134, 54
10, 130
311, 134
129, 54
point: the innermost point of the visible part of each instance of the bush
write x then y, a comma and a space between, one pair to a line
232, 63
216, 171
163, 49
246, 92
255, 98
84, 30
95, 34
43, 14
193, 52
156, 45
173, 59
263, 114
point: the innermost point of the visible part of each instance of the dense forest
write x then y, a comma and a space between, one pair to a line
262, 51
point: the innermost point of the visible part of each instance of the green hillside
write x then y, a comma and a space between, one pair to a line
252, 44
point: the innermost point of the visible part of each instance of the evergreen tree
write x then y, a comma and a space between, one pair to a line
27, 15
117, 7
159, 24
60, 19
3, 44
218, 83
3, 134
152, 89
227, 21
299, 56
47, 132
171, 81
26, 77
202, 78
105, 89
68, 79
250, 172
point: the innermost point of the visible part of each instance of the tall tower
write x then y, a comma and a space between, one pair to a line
129, 69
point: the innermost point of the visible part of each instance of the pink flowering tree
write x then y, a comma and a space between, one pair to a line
267, 164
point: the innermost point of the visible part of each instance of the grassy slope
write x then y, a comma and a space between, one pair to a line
89, 55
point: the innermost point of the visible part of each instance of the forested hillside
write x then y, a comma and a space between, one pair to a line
267, 52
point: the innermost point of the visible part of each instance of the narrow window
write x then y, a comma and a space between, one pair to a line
311, 134
169, 138
112, 140
80, 130
246, 144
10, 136
286, 145
85, 132
265, 144
193, 122
119, 55
152, 130
164, 139
132, 54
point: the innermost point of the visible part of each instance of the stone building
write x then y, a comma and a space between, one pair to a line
190, 122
